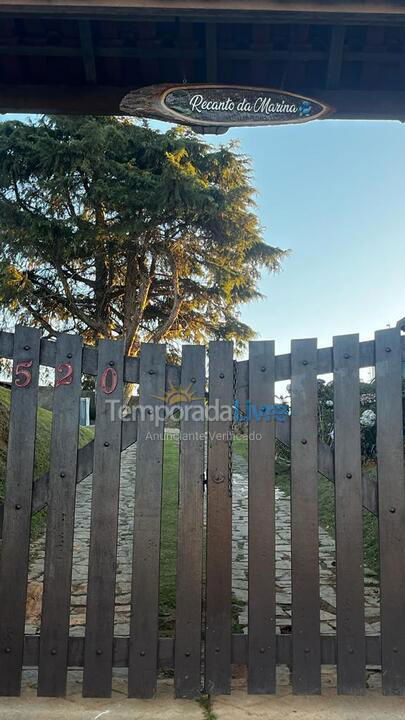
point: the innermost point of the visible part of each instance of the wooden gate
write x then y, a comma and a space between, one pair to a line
203, 645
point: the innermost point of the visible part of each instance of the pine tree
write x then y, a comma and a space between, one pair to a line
110, 228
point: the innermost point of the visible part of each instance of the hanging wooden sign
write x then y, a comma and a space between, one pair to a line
221, 106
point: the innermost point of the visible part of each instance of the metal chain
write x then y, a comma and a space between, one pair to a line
232, 429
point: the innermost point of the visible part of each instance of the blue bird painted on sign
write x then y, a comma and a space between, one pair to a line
305, 108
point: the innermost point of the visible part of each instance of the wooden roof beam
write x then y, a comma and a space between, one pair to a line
105, 100
127, 11
313, 8
211, 49
113, 52
87, 48
335, 60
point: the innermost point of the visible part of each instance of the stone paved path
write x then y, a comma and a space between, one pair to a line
240, 559
283, 563
81, 552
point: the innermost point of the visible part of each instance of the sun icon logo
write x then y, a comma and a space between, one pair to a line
177, 395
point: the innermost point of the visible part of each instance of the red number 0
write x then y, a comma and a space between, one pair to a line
109, 380
67, 378
22, 369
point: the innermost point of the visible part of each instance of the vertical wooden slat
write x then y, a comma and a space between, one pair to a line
391, 496
97, 678
219, 521
190, 523
60, 518
351, 648
143, 652
306, 675
17, 507
262, 599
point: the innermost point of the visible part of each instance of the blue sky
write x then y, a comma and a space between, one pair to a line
333, 192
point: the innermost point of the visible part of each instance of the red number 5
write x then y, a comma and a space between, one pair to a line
25, 375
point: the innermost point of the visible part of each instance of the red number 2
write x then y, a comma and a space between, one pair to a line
109, 380
25, 375
65, 371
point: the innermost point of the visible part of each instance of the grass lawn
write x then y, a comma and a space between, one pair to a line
42, 448
168, 543
326, 507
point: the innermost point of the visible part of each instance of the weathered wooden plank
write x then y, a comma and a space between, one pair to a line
166, 650
84, 467
17, 508
306, 676
325, 454
60, 518
129, 432
97, 677
76, 648
143, 657
326, 467
190, 527
324, 362
391, 493
351, 650
89, 360
85, 458
219, 522
254, 54
262, 586
131, 373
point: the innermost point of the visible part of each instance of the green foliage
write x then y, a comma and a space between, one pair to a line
168, 540
110, 228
